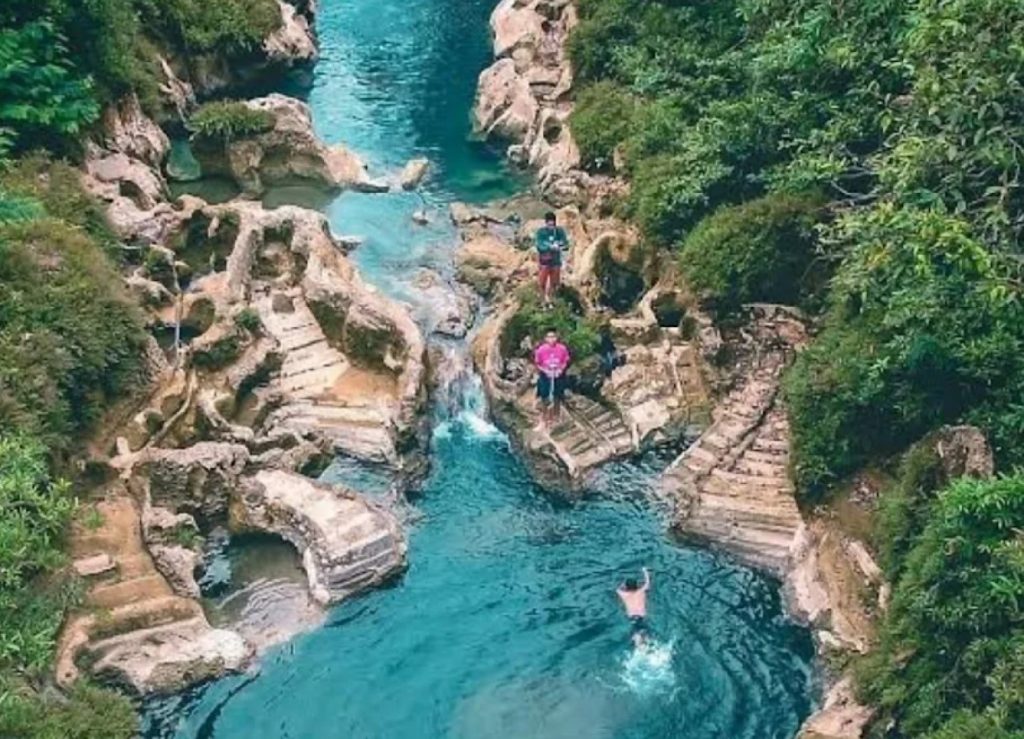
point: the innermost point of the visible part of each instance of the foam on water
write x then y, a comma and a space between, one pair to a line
648, 669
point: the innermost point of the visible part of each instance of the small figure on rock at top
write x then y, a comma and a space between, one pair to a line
551, 358
550, 240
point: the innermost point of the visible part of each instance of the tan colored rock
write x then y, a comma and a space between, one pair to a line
201, 477
841, 717
126, 130
287, 153
413, 173
165, 659
346, 544
178, 564
97, 564
292, 43
486, 262
505, 108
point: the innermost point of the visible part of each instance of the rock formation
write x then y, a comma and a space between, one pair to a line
523, 98
288, 153
346, 544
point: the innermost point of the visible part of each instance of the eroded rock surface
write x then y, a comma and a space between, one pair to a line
523, 97
347, 544
288, 153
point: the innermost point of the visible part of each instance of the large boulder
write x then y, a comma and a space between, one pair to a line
346, 543
486, 263
198, 479
287, 153
523, 98
167, 659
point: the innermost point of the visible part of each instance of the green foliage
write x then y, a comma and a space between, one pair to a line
34, 512
228, 25
88, 712
532, 320
70, 339
762, 250
925, 326
904, 509
248, 319
601, 120
14, 208
44, 97
57, 187
952, 648
227, 120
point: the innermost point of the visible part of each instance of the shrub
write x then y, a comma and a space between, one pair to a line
248, 319
87, 712
57, 187
34, 512
925, 327
761, 251
954, 637
45, 97
532, 320
228, 120
600, 121
228, 25
70, 339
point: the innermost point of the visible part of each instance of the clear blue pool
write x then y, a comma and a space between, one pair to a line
506, 624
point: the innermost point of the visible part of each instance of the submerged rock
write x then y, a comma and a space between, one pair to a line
413, 173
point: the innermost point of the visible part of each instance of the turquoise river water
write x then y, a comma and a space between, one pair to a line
505, 624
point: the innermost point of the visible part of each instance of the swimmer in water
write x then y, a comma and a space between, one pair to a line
634, 599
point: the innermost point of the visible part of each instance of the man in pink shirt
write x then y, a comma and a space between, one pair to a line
552, 359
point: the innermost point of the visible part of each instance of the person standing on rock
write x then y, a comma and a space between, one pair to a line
634, 599
551, 358
550, 240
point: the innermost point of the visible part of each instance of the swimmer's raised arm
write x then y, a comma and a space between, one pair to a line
647, 579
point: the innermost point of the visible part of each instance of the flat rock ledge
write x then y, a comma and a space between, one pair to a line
347, 544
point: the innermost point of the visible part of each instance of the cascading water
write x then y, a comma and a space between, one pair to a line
506, 623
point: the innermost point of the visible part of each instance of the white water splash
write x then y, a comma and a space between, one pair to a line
647, 669
461, 399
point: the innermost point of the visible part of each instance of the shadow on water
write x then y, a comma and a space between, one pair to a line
506, 623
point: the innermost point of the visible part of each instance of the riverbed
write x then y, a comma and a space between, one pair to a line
506, 623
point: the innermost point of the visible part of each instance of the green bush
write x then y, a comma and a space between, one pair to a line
925, 327
600, 121
70, 339
248, 319
532, 320
761, 251
45, 98
57, 187
228, 25
953, 641
227, 120
34, 513
87, 712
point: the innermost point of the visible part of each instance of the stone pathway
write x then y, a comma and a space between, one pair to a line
731, 487
589, 434
312, 380
134, 630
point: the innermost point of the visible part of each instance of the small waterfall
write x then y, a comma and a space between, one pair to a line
460, 403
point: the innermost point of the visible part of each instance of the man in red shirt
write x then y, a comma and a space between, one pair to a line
551, 358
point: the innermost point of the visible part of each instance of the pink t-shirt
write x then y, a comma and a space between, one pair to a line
552, 359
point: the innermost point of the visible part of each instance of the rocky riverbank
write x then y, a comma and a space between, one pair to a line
268, 357
731, 487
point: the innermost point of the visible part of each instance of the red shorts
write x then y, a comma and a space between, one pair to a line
549, 275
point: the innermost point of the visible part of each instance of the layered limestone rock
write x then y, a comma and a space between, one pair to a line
135, 630
524, 96
731, 488
290, 152
289, 47
346, 544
